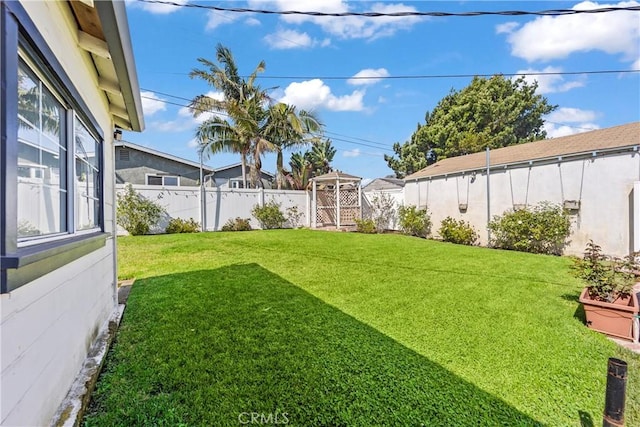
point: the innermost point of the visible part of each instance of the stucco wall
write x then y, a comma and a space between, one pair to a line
602, 184
48, 324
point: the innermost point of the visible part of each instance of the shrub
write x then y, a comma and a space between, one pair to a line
605, 278
543, 229
294, 216
460, 232
414, 221
383, 211
136, 213
238, 224
367, 226
179, 225
269, 216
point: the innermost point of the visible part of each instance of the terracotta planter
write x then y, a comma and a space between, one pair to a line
611, 318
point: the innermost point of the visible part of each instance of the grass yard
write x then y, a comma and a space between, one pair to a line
311, 328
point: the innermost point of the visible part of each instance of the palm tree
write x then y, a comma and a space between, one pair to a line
321, 156
286, 128
300, 170
240, 98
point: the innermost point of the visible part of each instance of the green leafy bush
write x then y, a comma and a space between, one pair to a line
136, 213
543, 229
606, 278
460, 232
367, 226
269, 216
382, 211
179, 225
414, 221
238, 224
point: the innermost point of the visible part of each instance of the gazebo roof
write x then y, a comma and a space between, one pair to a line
335, 176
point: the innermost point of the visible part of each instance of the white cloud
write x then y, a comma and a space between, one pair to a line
158, 8
352, 153
253, 22
546, 38
291, 39
368, 76
568, 121
571, 115
314, 94
636, 65
551, 83
193, 143
348, 27
219, 18
151, 103
506, 28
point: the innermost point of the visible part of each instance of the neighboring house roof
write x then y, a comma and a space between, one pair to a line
335, 175
104, 33
384, 184
235, 165
624, 136
131, 145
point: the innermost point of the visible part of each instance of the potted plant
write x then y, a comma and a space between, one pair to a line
609, 302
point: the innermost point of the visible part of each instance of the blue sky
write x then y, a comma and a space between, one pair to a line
310, 62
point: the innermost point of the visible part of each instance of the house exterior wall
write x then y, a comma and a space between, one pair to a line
49, 324
222, 204
603, 185
140, 164
222, 177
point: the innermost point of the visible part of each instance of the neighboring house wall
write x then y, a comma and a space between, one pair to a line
222, 205
134, 166
58, 292
603, 185
225, 177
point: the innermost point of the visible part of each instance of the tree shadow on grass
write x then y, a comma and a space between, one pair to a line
214, 347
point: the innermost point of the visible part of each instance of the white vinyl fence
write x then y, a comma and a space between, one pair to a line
221, 205
372, 201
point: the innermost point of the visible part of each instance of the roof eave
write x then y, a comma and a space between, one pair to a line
115, 25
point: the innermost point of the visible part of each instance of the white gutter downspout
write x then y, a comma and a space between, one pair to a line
488, 196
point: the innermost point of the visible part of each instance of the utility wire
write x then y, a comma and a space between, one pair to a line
381, 147
551, 12
442, 76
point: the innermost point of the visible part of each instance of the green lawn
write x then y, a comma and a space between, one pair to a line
345, 329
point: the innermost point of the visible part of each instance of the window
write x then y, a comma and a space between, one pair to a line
167, 180
51, 163
235, 183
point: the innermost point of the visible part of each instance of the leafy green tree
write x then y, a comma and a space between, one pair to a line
495, 112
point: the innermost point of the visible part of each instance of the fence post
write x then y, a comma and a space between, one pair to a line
615, 393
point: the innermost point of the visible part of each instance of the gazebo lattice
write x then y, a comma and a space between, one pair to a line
337, 200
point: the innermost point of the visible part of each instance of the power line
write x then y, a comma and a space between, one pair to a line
443, 76
551, 12
380, 147
449, 76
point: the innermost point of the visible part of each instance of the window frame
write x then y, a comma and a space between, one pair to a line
22, 263
156, 175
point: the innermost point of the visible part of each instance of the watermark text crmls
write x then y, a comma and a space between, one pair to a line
261, 418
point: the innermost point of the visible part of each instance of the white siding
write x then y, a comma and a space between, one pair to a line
603, 185
49, 324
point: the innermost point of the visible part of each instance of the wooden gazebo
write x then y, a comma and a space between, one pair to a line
336, 200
